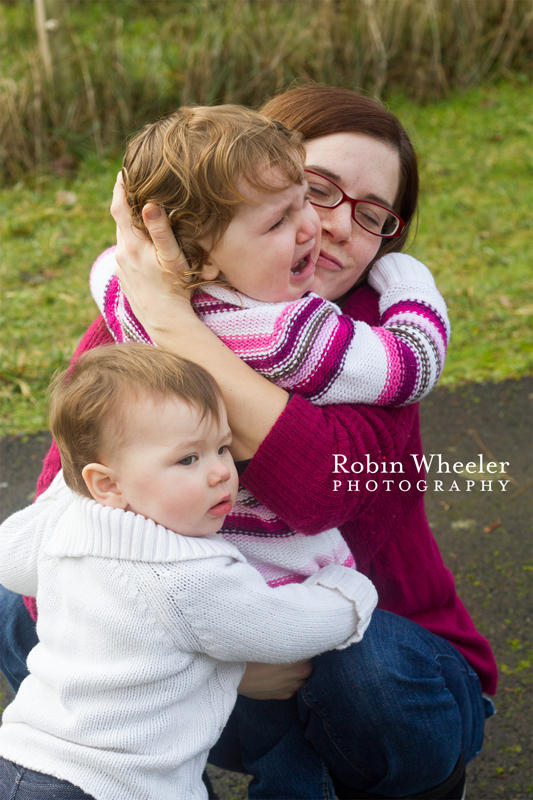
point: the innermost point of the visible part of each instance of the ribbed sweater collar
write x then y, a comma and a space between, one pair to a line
90, 529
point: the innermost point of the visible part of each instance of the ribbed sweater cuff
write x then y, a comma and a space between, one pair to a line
398, 268
354, 587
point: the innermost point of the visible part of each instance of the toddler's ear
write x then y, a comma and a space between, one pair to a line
209, 271
102, 484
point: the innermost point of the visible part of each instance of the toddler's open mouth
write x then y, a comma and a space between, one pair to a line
305, 266
300, 266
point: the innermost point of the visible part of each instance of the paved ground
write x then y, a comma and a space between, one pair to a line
485, 537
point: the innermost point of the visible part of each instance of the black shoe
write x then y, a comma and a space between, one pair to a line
453, 788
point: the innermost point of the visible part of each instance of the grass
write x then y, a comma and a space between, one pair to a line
475, 229
474, 233
78, 85
48, 248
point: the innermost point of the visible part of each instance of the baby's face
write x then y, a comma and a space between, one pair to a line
176, 468
270, 247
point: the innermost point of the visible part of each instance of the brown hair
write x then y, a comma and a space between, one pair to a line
89, 401
316, 111
190, 163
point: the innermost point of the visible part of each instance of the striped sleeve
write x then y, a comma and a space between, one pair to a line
400, 361
113, 304
415, 329
309, 347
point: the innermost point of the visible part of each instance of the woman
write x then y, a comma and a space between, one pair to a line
401, 713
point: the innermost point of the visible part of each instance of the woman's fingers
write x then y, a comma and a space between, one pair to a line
169, 254
157, 224
147, 264
161, 233
120, 210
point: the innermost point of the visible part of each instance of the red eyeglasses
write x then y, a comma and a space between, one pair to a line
377, 220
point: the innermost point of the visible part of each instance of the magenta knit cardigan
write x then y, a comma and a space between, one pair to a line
387, 531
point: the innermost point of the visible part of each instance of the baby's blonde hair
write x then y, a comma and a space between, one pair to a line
90, 402
191, 162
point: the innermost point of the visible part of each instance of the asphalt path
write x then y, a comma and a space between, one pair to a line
484, 532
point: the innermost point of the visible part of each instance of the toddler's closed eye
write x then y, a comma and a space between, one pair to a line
278, 224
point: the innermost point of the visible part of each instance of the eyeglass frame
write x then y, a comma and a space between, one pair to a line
345, 198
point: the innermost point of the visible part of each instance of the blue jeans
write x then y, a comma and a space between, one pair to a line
389, 715
19, 783
17, 637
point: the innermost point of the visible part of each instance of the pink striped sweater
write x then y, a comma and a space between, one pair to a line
309, 347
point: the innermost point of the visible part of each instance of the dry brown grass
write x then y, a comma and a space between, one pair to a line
82, 83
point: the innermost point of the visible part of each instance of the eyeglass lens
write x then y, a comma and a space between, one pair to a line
370, 216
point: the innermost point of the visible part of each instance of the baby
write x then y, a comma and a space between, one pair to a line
234, 187
146, 615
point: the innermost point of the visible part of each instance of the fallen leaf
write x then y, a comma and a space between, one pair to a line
66, 198
24, 388
64, 165
31, 278
463, 524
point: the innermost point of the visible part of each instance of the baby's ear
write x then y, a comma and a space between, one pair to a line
102, 483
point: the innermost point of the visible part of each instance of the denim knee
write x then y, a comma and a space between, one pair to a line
401, 702
19, 783
17, 637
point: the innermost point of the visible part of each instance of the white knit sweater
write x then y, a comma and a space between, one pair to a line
143, 635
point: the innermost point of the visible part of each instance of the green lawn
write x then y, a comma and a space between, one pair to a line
474, 233
475, 229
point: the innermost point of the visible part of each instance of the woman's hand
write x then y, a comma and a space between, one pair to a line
146, 265
274, 681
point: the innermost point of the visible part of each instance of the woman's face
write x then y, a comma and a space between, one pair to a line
366, 169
